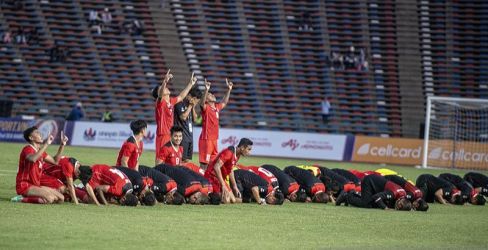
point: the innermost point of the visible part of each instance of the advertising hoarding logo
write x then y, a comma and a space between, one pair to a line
89, 134
149, 137
292, 143
231, 140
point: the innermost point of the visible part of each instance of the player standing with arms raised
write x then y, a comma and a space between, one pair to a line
207, 143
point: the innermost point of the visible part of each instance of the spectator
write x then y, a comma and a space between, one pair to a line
337, 61
350, 58
305, 22
20, 36
138, 27
7, 37
77, 113
362, 63
107, 116
106, 16
325, 110
94, 21
33, 37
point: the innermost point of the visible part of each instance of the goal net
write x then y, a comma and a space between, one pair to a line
456, 133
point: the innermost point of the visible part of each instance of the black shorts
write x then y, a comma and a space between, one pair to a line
187, 150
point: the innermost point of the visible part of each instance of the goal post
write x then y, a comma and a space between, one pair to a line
456, 133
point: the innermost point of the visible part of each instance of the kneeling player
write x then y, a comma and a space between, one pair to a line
253, 187
141, 187
163, 186
221, 167
288, 186
377, 192
468, 193
434, 188
188, 186
312, 185
107, 180
32, 159
479, 182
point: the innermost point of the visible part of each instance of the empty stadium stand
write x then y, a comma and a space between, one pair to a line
279, 54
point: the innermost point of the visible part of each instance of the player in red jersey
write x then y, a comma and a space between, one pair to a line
66, 171
172, 152
164, 107
31, 161
263, 173
132, 148
207, 143
105, 179
221, 168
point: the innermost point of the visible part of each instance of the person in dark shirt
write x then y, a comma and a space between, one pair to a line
479, 182
77, 113
434, 188
163, 187
348, 175
414, 194
188, 186
184, 116
312, 185
288, 186
377, 192
468, 193
335, 182
141, 189
253, 187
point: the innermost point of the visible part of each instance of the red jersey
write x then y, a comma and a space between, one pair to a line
210, 122
169, 155
28, 171
61, 171
106, 175
229, 160
164, 115
130, 149
263, 173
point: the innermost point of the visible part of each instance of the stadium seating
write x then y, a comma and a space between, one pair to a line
278, 54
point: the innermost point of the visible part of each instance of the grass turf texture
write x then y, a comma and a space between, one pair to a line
302, 226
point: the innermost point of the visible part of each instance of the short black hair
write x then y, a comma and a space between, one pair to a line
130, 200
480, 200
279, 197
214, 199
85, 174
28, 132
178, 199
301, 196
458, 200
175, 129
244, 142
422, 205
406, 205
321, 197
154, 92
137, 126
72, 161
149, 199
195, 92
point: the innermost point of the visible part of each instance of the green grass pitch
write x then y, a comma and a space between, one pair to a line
242, 226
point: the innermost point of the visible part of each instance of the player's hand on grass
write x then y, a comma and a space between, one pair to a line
207, 84
167, 77
64, 138
229, 84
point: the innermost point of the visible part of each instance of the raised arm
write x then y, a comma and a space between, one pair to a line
189, 109
204, 96
185, 91
163, 85
34, 157
64, 140
227, 94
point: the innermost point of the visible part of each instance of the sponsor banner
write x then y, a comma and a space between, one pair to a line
442, 153
387, 150
283, 144
11, 129
111, 135
446, 153
266, 143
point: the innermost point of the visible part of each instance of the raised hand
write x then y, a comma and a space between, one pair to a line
49, 140
64, 138
167, 77
193, 79
207, 84
229, 84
